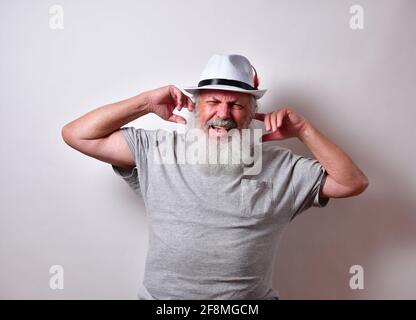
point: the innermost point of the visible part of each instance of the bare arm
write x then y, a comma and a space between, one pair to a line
97, 134
344, 179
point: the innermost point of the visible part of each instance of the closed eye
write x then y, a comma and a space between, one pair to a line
237, 106
232, 105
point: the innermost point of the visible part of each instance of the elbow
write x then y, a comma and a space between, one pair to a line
65, 133
68, 135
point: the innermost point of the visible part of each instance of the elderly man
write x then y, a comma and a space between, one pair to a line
213, 233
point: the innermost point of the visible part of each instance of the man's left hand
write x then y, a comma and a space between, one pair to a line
283, 124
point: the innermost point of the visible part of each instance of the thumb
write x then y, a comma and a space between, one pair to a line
177, 119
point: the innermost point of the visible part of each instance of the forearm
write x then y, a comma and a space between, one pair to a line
104, 120
335, 161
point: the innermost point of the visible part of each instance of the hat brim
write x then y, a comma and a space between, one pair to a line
256, 93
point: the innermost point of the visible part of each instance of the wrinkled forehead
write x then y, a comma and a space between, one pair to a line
224, 95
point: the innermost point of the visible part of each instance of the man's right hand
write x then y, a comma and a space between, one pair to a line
97, 133
164, 100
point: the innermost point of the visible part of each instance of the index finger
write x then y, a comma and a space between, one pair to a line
185, 101
178, 98
190, 104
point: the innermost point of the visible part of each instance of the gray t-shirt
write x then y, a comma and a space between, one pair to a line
214, 237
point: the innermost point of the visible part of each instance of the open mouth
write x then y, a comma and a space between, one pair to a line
218, 131
219, 128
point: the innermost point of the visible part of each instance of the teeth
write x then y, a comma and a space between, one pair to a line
219, 127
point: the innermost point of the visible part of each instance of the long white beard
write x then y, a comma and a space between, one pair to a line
226, 156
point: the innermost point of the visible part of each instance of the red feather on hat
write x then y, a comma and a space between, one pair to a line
256, 80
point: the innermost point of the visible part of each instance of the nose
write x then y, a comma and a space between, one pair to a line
223, 111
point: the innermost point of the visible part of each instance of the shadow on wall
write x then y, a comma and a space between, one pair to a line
318, 249
376, 230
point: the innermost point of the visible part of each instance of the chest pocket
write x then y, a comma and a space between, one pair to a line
256, 197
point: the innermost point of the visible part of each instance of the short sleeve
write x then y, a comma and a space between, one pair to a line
138, 143
308, 175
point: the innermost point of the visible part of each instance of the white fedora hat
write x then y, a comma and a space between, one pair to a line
231, 73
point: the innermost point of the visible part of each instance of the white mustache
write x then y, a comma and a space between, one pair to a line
221, 123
